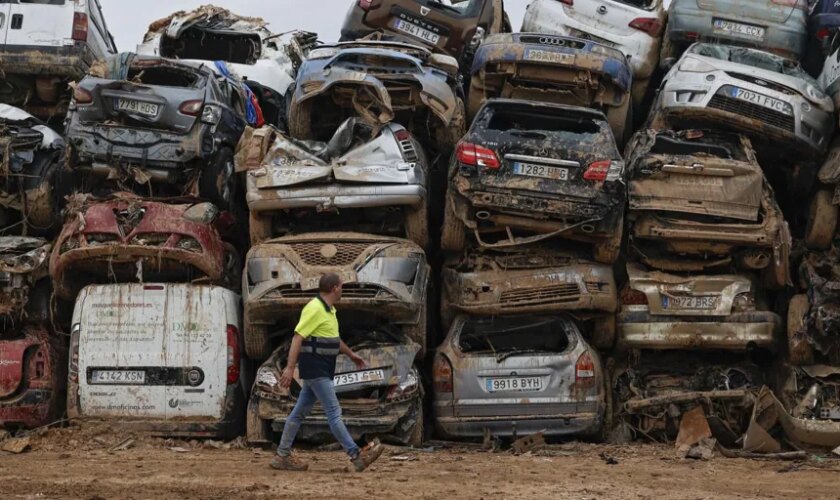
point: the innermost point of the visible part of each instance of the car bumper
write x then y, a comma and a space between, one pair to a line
641, 330
182, 428
71, 61
653, 227
508, 426
335, 196
30, 409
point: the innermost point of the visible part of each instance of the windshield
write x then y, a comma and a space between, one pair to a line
507, 335
460, 7
754, 58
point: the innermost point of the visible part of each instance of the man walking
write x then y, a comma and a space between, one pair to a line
316, 344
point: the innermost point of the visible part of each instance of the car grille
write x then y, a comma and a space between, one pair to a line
564, 292
762, 83
522, 410
313, 254
754, 112
349, 291
358, 408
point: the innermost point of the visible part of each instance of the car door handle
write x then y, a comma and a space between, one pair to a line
17, 21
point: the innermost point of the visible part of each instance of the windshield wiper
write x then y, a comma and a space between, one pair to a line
444, 6
501, 356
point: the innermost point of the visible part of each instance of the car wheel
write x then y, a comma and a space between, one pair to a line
474, 99
257, 342
300, 121
822, 221
218, 182
453, 234
232, 268
668, 53
447, 137
620, 120
607, 251
417, 224
800, 350
415, 438
257, 430
603, 332
259, 227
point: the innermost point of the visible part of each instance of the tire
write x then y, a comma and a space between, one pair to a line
474, 100
259, 228
300, 121
604, 433
447, 137
667, 51
218, 182
799, 349
257, 430
257, 342
608, 250
417, 224
603, 332
232, 269
415, 438
453, 235
822, 221
620, 120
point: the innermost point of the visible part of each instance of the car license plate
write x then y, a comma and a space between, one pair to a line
762, 100
532, 170
513, 384
548, 56
118, 377
416, 31
139, 107
701, 302
724, 27
358, 377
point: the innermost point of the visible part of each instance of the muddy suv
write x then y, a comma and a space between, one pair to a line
554, 68
385, 398
385, 279
698, 200
453, 27
532, 171
371, 179
145, 119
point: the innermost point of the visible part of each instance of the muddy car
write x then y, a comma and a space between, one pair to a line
532, 280
24, 293
379, 82
517, 375
148, 119
686, 311
128, 239
32, 157
698, 200
813, 321
372, 179
554, 68
384, 277
533, 171
453, 27
383, 399
769, 98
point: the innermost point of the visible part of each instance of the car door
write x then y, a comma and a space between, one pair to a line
5, 12
99, 39
40, 23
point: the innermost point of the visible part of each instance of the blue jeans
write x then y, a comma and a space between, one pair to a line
323, 390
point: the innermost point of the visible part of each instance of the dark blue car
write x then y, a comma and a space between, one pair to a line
824, 22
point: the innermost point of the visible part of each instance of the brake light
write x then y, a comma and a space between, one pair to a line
630, 297
568, 2
649, 25
597, 171
82, 96
80, 27
442, 374
477, 156
191, 108
367, 5
584, 368
233, 357
403, 135
823, 33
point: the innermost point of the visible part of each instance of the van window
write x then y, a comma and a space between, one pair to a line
513, 335
460, 8
43, 2
640, 4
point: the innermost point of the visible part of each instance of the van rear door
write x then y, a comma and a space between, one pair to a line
40, 23
5, 13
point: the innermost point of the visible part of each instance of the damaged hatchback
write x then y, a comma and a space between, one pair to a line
510, 375
698, 200
374, 179
141, 119
383, 399
529, 171
384, 278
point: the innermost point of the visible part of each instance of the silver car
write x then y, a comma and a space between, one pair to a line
767, 97
517, 375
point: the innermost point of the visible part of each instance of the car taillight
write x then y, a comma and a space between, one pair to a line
823, 33
192, 108
630, 297
568, 2
649, 25
80, 27
584, 368
232, 354
597, 171
367, 5
442, 374
477, 156
82, 96
403, 135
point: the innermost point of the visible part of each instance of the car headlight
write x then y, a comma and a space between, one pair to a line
406, 386
696, 66
211, 115
267, 377
815, 93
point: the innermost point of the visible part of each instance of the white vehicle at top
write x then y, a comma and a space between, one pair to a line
632, 26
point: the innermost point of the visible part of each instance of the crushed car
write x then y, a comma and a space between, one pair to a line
31, 157
813, 321
385, 279
764, 96
553, 68
531, 171
140, 119
374, 179
699, 201
385, 398
129, 239
632, 26
379, 82
532, 280
515, 375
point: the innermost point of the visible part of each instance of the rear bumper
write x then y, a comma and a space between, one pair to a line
71, 61
508, 426
335, 195
182, 428
640, 330
30, 409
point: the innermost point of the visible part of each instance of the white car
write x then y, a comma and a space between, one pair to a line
632, 26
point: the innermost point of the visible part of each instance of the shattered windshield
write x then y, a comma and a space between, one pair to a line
532, 122
756, 59
514, 335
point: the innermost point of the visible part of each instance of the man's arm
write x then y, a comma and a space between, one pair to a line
291, 363
343, 349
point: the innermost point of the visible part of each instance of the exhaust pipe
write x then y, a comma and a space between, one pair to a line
587, 228
482, 215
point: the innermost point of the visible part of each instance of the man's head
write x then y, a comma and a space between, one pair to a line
329, 286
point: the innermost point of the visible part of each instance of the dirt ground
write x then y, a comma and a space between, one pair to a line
68, 463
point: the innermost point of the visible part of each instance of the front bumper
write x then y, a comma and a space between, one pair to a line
32, 408
326, 196
641, 330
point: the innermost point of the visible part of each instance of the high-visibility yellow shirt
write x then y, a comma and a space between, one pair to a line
317, 320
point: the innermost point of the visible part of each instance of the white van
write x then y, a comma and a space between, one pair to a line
46, 43
162, 358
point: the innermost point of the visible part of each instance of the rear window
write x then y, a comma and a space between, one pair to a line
43, 2
569, 127
700, 142
510, 335
167, 76
756, 59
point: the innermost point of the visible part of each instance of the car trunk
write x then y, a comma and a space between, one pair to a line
515, 366
621, 13
545, 151
197, 42
746, 10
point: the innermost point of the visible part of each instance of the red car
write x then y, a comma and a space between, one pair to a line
127, 239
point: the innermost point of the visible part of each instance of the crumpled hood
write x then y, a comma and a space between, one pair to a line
18, 117
21, 254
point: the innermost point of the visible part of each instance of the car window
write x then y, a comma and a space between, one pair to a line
755, 58
44, 2
514, 334
167, 76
